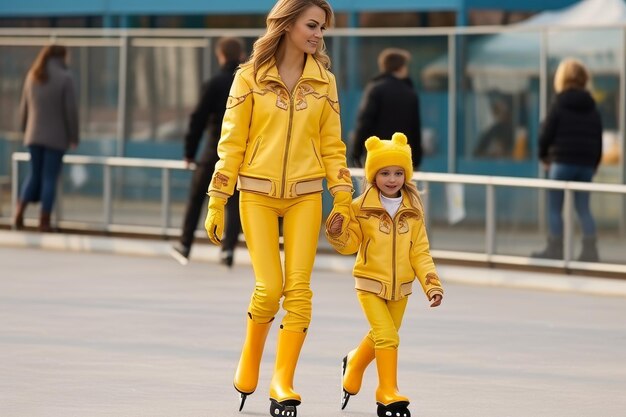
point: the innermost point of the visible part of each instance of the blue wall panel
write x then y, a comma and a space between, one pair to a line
156, 7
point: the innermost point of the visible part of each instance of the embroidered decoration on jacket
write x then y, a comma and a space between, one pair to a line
344, 173
403, 224
305, 90
432, 279
220, 180
235, 101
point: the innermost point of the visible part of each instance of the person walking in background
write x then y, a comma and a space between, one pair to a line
49, 114
389, 104
570, 149
387, 229
208, 116
280, 139
497, 141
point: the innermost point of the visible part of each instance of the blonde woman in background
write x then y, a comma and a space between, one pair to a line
570, 149
281, 137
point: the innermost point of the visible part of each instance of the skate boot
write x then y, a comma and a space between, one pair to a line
353, 367
283, 399
247, 374
390, 403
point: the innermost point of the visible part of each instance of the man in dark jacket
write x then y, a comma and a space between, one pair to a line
389, 105
208, 115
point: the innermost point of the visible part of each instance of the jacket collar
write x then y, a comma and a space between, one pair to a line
371, 202
313, 70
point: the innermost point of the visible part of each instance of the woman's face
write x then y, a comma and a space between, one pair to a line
307, 31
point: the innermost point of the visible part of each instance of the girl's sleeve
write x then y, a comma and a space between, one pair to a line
422, 263
234, 138
349, 241
333, 149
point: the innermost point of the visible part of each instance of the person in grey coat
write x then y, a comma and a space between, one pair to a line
49, 115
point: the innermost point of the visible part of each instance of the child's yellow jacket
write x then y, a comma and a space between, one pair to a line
391, 252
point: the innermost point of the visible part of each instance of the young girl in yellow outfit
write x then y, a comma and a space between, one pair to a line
387, 229
281, 137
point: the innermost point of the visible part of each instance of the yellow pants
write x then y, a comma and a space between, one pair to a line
384, 317
302, 219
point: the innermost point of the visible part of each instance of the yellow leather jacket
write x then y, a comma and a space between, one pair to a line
391, 252
278, 143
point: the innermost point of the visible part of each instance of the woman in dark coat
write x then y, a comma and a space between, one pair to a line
50, 121
570, 148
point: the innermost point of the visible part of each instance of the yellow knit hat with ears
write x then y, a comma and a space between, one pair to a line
384, 153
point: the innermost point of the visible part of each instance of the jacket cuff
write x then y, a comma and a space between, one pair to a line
213, 193
338, 188
434, 291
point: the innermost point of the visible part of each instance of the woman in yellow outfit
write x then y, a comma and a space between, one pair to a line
387, 229
281, 137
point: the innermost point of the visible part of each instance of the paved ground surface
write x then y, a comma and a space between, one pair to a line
91, 334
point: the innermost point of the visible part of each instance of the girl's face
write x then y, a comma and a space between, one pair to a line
307, 31
390, 180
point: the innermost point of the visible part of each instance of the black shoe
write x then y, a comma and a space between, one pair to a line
226, 258
180, 252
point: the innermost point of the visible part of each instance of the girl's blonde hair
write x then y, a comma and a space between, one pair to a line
283, 15
39, 69
571, 74
409, 188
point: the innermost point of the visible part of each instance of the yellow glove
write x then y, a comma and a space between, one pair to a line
214, 223
341, 206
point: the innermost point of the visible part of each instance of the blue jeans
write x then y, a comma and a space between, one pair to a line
567, 172
41, 182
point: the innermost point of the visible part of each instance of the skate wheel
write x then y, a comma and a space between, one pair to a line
284, 409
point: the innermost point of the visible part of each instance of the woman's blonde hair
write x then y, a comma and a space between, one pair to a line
280, 18
39, 69
571, 74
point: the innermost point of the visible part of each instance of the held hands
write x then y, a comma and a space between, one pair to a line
214, 223
341, 209
334, 225
436, 300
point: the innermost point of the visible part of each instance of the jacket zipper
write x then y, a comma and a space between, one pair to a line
393, 266
286, 155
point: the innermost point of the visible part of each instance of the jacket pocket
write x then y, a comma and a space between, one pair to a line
255, 149
319, 160
365, 252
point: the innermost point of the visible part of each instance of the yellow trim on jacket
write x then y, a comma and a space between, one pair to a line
280, 143
391, 252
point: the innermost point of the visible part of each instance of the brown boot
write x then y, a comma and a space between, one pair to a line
18, 220
44, 223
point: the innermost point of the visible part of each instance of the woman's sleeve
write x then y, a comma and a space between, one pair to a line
548, 132
332, 147
234, 138
71, 111
24, 106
